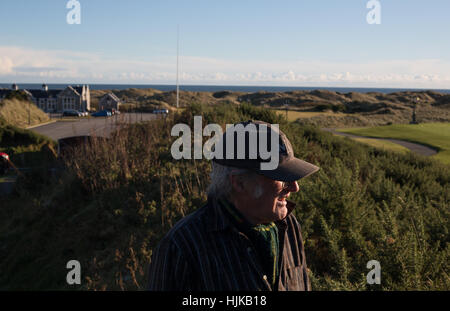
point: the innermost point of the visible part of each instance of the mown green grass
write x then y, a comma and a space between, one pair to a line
380, 144
435, 135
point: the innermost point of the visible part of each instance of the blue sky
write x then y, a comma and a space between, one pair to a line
289, 43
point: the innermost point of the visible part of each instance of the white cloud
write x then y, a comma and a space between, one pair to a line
52, 66
6, 65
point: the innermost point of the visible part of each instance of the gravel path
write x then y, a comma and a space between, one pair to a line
417, 148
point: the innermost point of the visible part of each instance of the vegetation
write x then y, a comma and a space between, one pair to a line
320, 108
146, 100
294, 115
25, 148
116, 198
21, 112
381, 144
435, 135
18, 95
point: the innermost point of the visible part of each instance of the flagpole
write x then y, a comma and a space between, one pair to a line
178, 39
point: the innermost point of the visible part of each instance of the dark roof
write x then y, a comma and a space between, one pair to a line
44, 94
111, 95
78, 88
41, 93
4, 92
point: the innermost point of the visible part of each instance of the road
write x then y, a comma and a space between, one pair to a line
99, 126
417, 148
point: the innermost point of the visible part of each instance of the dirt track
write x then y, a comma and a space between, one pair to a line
417, 148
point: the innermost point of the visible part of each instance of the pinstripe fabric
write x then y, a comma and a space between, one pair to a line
205, 252
264, 238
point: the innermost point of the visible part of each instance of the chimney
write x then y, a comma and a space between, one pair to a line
15, 87
45, 87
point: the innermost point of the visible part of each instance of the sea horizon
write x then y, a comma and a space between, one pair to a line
217, 88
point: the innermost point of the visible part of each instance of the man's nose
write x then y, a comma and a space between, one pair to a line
293, 186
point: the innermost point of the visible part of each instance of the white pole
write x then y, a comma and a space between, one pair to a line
178, 39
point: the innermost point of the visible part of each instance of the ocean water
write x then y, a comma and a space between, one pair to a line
216, 88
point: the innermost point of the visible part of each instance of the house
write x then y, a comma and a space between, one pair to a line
77, 97
72, 97
45, 99
109, 101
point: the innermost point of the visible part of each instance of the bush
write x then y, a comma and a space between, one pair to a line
11, 136
324, 107
19, 95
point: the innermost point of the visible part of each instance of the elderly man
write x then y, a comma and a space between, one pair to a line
246, 237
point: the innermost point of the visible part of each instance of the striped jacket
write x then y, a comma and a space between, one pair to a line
205, 252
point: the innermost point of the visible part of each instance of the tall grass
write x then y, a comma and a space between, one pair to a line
21, 113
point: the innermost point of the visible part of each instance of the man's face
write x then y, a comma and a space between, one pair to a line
269, 199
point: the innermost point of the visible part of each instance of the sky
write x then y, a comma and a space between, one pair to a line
245, 42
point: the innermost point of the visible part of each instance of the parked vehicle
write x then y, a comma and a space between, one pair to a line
161, 111
71, 113
102, 113
114, 111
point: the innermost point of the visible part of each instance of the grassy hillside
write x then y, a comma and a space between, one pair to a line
321, 108
21, 113
435, 135
25, 148
116, 198
294, 115
149, 99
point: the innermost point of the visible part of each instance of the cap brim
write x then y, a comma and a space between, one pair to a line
291, 170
